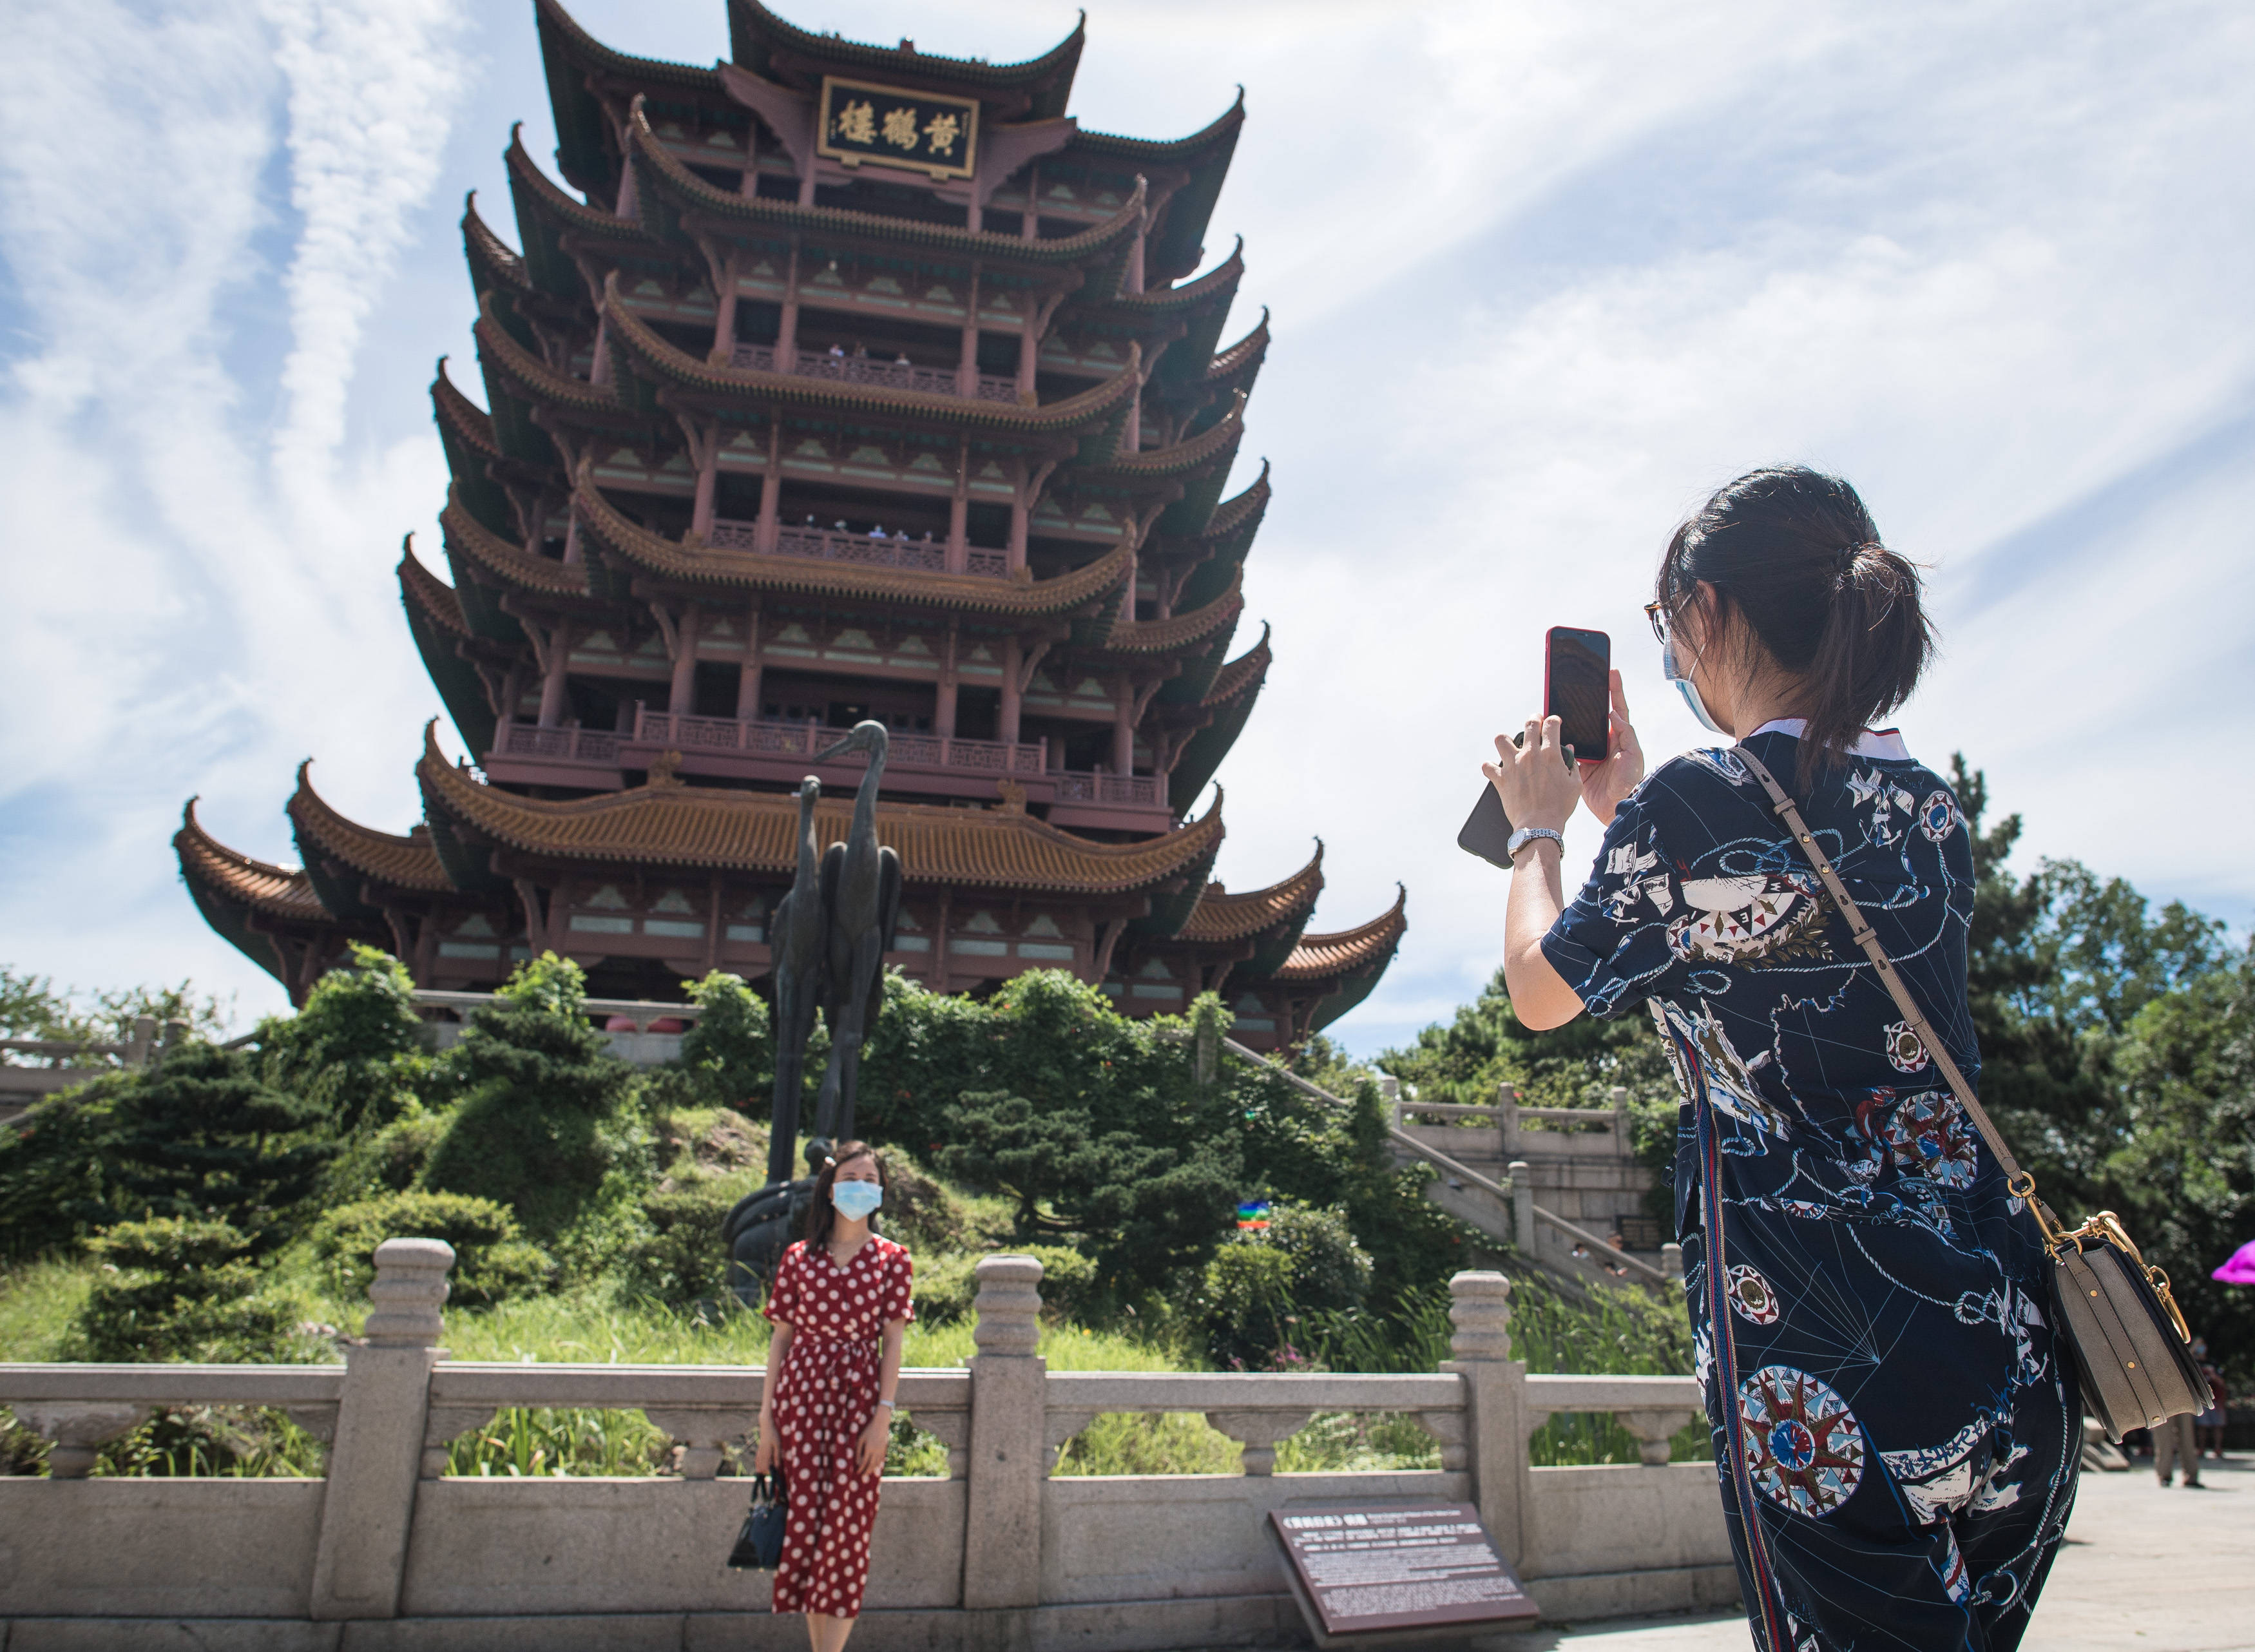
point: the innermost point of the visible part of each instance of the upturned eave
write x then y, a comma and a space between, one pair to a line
1349, 951
406, 862
282, 892
659, 169
713, 829
765, 44
1221, 916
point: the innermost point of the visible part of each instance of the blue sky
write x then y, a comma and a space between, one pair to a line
1541, 276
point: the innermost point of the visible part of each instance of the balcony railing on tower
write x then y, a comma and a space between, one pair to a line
760, 737
686, 734
866, 550
863, 369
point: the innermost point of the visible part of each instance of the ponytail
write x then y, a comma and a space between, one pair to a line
1797, 557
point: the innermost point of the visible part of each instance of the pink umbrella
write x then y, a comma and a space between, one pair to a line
2240, 1270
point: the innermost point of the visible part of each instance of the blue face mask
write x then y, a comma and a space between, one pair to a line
856, 1201
1685, 686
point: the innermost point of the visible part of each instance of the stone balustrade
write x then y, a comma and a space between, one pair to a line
390, 1551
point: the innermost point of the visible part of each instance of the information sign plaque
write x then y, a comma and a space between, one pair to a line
1384, 1570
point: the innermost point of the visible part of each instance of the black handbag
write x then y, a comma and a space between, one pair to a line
759, 1545
2113, 1311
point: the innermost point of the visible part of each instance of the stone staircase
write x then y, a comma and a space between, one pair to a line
1572, 1199
1559, 1187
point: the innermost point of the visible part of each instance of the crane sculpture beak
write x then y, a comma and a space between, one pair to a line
865, 736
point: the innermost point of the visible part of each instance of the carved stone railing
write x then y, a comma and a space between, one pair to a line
702, 1410
1654, 1409
80, 1408
862, 550
1261, 1411
1140, 1560
867, 370
68, 1062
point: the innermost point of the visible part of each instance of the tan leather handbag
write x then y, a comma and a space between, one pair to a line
2131, 1348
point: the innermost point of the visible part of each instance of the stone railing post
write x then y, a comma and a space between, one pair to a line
378, 1453
1495, 1407
1523, 1206
1007, 1458
1671, 1260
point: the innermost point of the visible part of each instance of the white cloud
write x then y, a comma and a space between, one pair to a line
1542, 275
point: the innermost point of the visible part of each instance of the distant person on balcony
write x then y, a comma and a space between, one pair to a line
838, 352
902, 360
1892, 1428
841, 1304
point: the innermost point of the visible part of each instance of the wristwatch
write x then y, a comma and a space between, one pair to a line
1526, 835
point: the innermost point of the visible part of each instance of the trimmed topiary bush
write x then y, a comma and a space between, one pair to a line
492, 1262
683, 1260
547, 1124
182, 1290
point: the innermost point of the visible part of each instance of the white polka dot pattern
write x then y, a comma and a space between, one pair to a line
824, 1396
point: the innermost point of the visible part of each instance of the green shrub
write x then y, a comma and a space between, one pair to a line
729, 1048
548, 1123
197, 1134
947, 1283
184, 1290
53, 1186
356, 1051
683, 1260
388, 1158
943, 1287
492, 1262
920, 1211
1140, 1210
1264, 1290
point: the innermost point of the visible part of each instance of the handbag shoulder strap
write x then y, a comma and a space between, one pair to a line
2016, 1180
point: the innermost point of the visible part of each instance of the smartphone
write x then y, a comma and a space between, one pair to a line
1576, 689
1486, 831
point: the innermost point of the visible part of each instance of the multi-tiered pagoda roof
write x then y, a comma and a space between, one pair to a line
833, 382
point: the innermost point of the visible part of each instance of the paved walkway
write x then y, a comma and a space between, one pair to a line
2145, 1569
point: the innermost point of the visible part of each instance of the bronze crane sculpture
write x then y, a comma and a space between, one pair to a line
759, 1228
860, 903
797, 936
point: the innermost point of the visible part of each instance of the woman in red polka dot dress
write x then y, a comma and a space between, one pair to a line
841, 1308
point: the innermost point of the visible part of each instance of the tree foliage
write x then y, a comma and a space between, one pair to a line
546, 1121
197, 1134
180, 1289
355, 1050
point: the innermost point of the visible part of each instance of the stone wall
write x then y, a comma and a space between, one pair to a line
389, 1552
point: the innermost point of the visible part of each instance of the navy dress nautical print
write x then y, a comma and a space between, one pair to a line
1892, 1419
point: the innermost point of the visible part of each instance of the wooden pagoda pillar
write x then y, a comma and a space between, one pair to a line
1005, 728
748, 675
552, 673
682, 702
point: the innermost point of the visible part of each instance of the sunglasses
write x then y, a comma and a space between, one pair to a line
1657, 613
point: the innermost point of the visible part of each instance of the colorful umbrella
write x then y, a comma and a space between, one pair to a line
2240, 1270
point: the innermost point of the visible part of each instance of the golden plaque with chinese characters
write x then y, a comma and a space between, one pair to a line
923, 131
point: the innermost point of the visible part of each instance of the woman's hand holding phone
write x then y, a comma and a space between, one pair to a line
1604, 785
1533, 779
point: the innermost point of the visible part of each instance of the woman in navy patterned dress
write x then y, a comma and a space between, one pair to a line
1895, 1425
